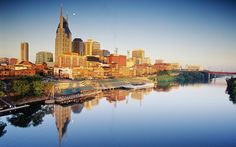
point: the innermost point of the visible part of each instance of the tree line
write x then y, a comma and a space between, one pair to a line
181, 77
25, 86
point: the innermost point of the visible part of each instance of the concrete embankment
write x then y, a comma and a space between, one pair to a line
110, 84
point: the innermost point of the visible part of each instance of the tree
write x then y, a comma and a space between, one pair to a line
37, 87
2, 94
21, 87
1, 85
48, 88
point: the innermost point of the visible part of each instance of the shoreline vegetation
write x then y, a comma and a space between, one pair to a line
180, 77
231, 89
25, 86
18, 91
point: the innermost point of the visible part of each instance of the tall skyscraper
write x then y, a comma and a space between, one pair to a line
78, 46
24, 51
42, 57
63, 42
88, 47
96, 48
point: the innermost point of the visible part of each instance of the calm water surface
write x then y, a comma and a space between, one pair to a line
193, 115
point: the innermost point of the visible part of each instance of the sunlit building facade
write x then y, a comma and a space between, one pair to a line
24, 51
139, 53
63, 42
43, 57
88, 47
138, 56
96, 45
118, 59
69, 60
13, 61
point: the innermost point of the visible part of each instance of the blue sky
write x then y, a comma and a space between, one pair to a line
185, 31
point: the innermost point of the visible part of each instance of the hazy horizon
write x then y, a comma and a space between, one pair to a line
188, 32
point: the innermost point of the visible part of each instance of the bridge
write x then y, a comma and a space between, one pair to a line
221, 73
215, 74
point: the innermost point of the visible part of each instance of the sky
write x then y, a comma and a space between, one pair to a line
199, 32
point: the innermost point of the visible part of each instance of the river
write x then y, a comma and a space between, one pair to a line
191, 115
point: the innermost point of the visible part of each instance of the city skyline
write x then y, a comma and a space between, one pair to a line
204, 36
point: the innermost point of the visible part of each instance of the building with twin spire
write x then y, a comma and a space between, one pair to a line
64, 57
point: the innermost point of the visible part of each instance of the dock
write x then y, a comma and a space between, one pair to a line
74, 98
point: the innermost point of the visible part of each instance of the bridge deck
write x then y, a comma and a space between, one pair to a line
221, 73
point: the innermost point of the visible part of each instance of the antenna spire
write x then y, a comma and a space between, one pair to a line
61, 9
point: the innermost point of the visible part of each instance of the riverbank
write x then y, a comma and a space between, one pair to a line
65, 93
231, 89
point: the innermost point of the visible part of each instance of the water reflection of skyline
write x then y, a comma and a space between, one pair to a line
166, 87
62, 114
62, 118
